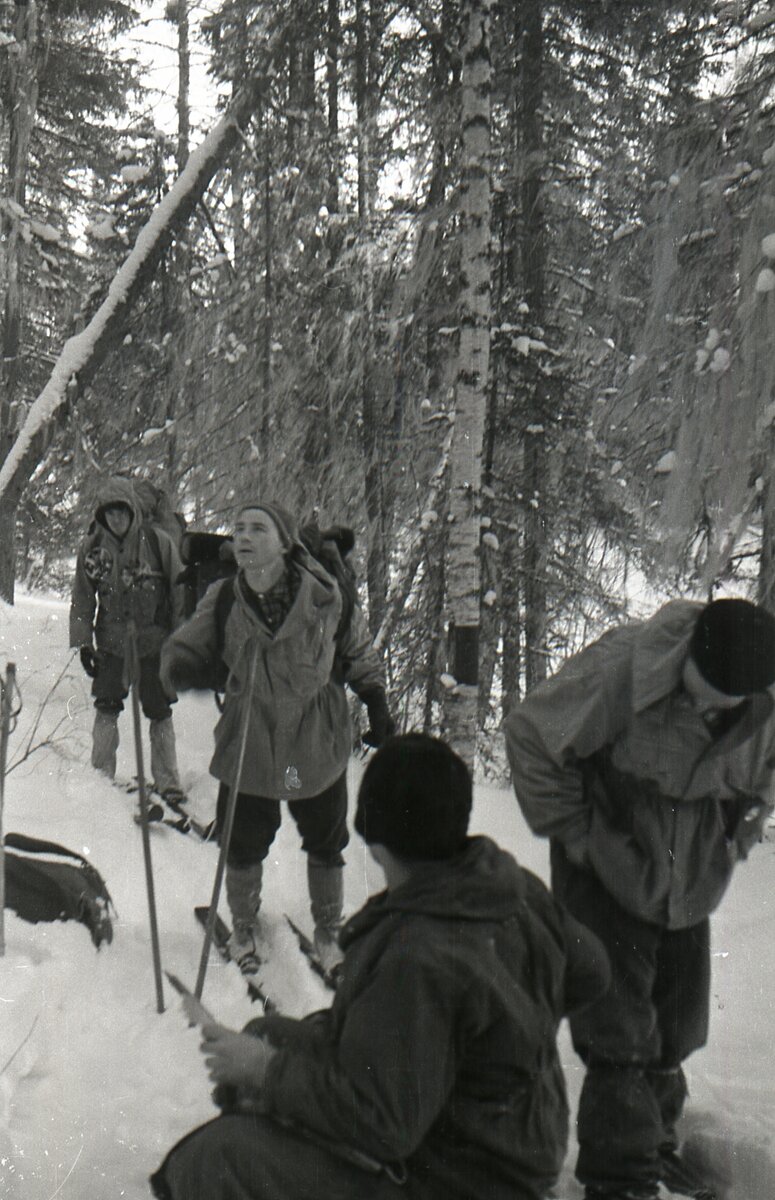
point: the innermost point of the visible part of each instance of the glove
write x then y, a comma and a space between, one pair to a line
90, 661
381, 724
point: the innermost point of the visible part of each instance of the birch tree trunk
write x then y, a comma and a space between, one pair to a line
463, 574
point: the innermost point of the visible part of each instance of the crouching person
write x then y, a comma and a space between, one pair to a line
435, 1074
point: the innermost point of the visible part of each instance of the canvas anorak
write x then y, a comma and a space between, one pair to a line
123, 579
610, 757
438, 1057
299, 736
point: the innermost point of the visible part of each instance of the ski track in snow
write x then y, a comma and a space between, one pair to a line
96, 1085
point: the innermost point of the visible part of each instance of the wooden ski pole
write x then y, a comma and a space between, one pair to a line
228, 825
133, 664
6, 702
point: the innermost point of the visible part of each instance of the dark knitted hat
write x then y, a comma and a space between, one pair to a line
733, 647
415, 798
286, 524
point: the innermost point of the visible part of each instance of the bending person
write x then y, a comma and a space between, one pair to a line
648, 760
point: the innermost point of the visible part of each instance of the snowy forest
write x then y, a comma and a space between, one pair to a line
492, 283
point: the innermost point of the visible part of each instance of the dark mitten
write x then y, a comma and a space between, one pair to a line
381, 724
226, 1097
89, 661
183, 670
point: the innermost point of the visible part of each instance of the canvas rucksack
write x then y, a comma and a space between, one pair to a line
206, 557
157, 510
39, 886
331, 547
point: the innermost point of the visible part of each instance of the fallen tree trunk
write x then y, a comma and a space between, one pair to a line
83, 353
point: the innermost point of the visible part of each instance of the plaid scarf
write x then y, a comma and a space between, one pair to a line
273, 605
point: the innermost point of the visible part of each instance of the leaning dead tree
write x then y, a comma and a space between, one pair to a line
82, 354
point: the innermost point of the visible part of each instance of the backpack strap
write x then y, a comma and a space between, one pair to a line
153, 541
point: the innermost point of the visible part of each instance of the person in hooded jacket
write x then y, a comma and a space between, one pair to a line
648, 760
435, 1074
282, 630
125, 579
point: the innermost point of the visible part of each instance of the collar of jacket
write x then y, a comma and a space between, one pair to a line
659, 654
481, 883
317, 590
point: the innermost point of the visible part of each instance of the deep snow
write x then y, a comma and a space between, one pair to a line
95, 1084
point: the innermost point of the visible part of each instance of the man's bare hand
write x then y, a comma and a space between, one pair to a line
239, 1059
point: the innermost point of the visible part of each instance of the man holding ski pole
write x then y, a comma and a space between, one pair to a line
124, 587
284, 646
648, 760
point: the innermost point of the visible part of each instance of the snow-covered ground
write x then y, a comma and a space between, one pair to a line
95, 1084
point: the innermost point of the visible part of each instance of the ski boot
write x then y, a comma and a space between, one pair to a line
243, 892
243, 948
326, 892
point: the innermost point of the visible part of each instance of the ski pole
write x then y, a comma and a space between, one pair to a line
228, 825
133, 664
5, 728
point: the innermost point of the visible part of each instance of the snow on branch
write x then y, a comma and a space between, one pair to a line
83, 353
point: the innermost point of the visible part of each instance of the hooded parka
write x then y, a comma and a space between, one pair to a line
132, 577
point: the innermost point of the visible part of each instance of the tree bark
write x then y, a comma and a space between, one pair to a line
333, 40
533, 272
367, 28
463, 577
23, 73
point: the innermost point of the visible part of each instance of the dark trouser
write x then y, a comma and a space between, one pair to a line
110, 690
321, 821
249, 1157
635, 1038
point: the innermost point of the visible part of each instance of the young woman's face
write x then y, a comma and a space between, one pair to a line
257, 541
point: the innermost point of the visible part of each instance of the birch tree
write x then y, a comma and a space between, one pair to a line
462, 574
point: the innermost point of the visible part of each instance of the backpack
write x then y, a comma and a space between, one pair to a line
331, 548
40, 888
157, 509
206, 557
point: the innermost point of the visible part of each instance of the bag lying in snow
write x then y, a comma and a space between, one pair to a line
40, 887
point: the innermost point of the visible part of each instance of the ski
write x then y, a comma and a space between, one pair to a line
203, 832
308, 950
181, 820
221, 934
156, 819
